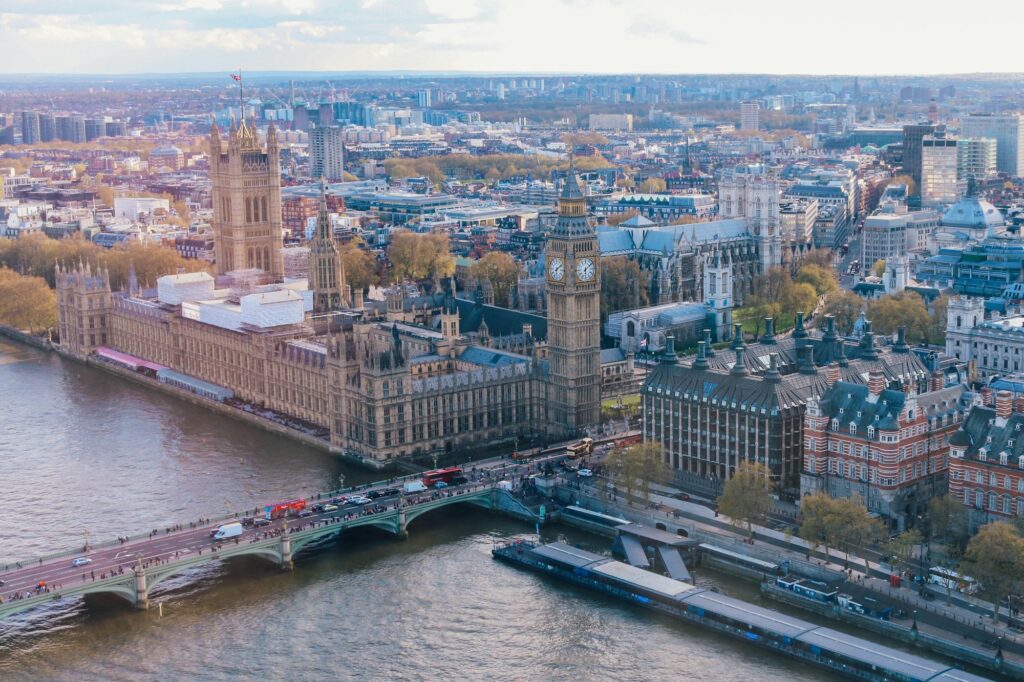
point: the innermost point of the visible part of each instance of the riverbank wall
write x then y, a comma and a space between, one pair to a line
181, 394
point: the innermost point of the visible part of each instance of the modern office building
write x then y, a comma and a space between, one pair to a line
71, 128
976, 158
750, 116
939, 160
47, 127
326, 153
29, 127
1005, 129
913, 134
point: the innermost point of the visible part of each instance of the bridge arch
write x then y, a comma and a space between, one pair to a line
480, 499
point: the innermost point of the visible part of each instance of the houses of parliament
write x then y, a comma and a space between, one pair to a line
415, 374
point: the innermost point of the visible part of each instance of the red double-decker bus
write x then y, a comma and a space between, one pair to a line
431, 478
283, 509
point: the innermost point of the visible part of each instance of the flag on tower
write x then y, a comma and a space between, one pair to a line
236, 77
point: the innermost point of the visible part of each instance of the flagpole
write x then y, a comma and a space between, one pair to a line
241, 99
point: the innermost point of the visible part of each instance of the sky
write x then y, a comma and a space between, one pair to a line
514, 36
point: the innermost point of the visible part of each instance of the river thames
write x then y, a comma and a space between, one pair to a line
83, 452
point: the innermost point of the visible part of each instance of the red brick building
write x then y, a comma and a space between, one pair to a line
986, 467
886, 444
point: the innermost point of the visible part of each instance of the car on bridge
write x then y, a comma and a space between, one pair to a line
329, 508
81, 561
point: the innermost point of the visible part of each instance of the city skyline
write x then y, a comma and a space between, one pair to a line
567, 36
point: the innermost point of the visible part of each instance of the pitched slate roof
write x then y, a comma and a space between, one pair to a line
499, 321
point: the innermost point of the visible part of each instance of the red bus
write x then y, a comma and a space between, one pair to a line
628, 439
430, 478
282, 509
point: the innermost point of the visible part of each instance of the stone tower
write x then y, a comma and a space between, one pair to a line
718, 294
326, 270
246, 181
83, 307
752, 192
574, 311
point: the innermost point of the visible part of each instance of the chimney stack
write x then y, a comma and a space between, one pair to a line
769, 331
799, 332
938, 381
986, 396
1018, 404
737, 336
832, 374
1004, 404
740, 368
701, 362
830, 328
876, 382
901, 340
707, 343
772, 375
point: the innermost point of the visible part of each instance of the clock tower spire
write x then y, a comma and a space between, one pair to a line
574, 314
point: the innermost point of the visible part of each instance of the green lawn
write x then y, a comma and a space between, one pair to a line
631, 401
749, 319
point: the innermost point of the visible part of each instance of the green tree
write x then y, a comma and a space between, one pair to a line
854, 528
501, 270
845, 306
747, 496
813, 523
26, 302
995, 558
823, 280
622, 285
800, 297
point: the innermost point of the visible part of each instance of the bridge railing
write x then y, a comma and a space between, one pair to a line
209, 521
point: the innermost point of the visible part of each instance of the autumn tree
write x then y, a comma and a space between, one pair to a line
947, 521
652, 186
360, 267
501, 270
419, 257
622, 285
846, 307
620, 218
26, 302
995, 558
937, 316
823, 258
878, 269
902, 546
747, 497
904, 308
637, 468
813, 520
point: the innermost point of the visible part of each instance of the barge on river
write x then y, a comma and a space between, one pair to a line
820, 646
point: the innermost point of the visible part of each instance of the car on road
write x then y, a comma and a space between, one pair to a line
585, 473
440, 484
81, 561
374, 494
460, 480
329, 508
359, 499
305, 512
261, 521
685, 497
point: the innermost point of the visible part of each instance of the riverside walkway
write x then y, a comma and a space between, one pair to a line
132, 567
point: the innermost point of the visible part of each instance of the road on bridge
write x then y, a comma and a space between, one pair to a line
27, 579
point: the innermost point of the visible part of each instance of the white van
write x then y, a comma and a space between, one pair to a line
228, 530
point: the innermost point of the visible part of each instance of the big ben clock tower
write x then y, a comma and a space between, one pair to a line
574, 316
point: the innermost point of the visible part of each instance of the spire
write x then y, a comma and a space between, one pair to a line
571, 186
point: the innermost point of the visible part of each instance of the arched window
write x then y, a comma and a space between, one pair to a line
266, 214
266, 258
631, 328
248, 210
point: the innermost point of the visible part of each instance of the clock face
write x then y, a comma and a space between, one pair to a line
585, 270
557, 269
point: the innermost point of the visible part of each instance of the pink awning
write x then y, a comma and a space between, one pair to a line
127, 360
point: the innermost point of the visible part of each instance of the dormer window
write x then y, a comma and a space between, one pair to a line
1003, 457
853, 429
835, 424
871, 432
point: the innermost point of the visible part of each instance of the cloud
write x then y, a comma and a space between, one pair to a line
649, 26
